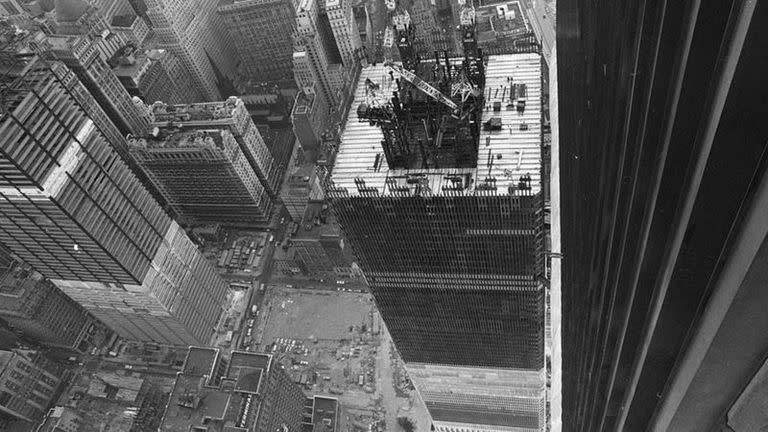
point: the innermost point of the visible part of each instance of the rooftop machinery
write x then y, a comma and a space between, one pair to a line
432, 119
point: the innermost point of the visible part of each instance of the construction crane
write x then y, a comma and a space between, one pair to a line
424, 86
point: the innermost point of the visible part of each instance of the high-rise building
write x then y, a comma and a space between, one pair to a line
208, 169
28, 384
309, 117
663, 189
81, 55
345, 31
313, 55
247, 391
194, 32
145, 75
445, 218
132, 27
262, 34
301, 185
42, 312
73, 210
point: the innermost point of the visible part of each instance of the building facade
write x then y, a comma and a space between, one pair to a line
262, 34
345, 31
309, 117
453, 254
233, 117
205, 174
39, 310
663, 189
81, 55
28, 384
312, 54
144, 74
194, 32
73, 210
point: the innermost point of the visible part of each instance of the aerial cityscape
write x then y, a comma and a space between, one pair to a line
383, 216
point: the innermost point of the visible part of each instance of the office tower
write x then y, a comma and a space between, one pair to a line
663, 190
28, 384
313, 54
206, 173
247, 391
310, 117
344, 27
262, 34
39, 310
80, 54
441, 204
144, 74
73, 210
132, 27
193, 32
301, 185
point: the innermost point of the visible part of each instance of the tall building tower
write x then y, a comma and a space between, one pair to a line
71, 208
446, 222
193, 32
262, 34
345, 31
252, 392
309, 117
311, 56
81, 55
664, 193
207, 173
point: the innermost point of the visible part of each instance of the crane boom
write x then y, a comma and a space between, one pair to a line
423, 86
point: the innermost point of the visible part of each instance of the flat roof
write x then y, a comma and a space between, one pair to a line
324, 413
515, 152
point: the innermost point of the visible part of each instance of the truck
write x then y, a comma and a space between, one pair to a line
262, 287
254, 309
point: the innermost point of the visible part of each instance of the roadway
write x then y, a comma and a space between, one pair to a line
542, 24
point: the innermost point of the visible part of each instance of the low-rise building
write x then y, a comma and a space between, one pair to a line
248, 391
61, 419
29, 382
321, 414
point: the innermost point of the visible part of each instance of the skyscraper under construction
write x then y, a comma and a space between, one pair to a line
437, 186
71, 208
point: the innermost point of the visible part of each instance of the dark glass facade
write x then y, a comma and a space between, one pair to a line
662, 146
456, 278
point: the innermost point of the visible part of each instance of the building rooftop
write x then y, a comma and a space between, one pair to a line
324, 414
506, 156
204, 112
203, 399
175, 138
125, 20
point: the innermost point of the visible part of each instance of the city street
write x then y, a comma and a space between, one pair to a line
543, 25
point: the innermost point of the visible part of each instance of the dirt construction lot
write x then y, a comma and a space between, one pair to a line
324, 315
